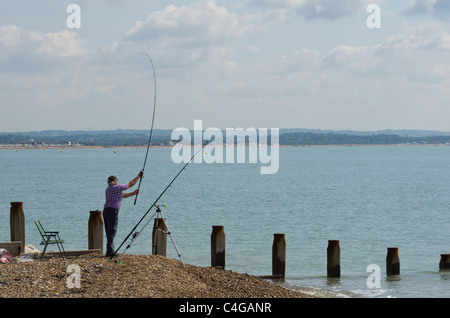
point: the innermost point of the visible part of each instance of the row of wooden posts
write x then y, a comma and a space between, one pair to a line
333, 256
218, 243
159, 244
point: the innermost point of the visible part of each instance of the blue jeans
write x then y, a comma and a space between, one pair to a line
111, 220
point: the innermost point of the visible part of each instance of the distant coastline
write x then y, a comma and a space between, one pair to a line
52, 139
22, 147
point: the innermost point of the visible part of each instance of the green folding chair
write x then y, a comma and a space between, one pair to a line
49, 238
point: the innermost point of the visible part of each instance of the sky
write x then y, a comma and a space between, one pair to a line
315, 64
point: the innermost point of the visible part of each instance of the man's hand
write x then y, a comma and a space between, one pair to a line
135, 180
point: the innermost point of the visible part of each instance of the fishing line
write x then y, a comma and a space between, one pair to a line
151, 129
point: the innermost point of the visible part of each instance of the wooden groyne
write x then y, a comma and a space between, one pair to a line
218, 246
17, 227
95, 231
392, 261
279, 255
333, 259
17, 224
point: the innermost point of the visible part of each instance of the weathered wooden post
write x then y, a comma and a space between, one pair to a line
17, 223
159, 237
333, 259
444, 263
95, 231
392, 261
218, 246
279, 255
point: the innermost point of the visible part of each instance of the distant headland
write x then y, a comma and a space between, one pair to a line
162, 138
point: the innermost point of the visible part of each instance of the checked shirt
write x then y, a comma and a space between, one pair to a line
113, 196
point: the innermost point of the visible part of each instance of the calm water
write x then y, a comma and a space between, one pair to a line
369, 198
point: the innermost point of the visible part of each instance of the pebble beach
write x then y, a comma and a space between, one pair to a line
138, 276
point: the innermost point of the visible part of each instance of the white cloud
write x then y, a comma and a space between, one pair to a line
318, 9
438, 8
61, 45
200, 23
254, 49
416, 52
420, 6
427, 36
27, 49
209, 65
400, 82
180, 36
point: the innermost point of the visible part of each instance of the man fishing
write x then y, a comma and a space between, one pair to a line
114, 195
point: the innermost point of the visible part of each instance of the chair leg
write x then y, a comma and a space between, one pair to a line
43, 252
62, 252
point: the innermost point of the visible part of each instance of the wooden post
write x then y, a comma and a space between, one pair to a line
333, 259
392, 261
279, 255
218, 246
444, 263
95, 231
17, 222
159, 237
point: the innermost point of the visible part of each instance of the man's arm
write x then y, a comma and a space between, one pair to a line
127, 195
133, 182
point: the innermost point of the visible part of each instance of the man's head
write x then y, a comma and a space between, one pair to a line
112, 180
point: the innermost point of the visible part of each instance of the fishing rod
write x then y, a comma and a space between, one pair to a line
136, 234
151, 129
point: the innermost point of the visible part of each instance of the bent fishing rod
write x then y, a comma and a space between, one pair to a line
137, 233
151, 129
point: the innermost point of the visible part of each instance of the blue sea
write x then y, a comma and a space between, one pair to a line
369, 198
